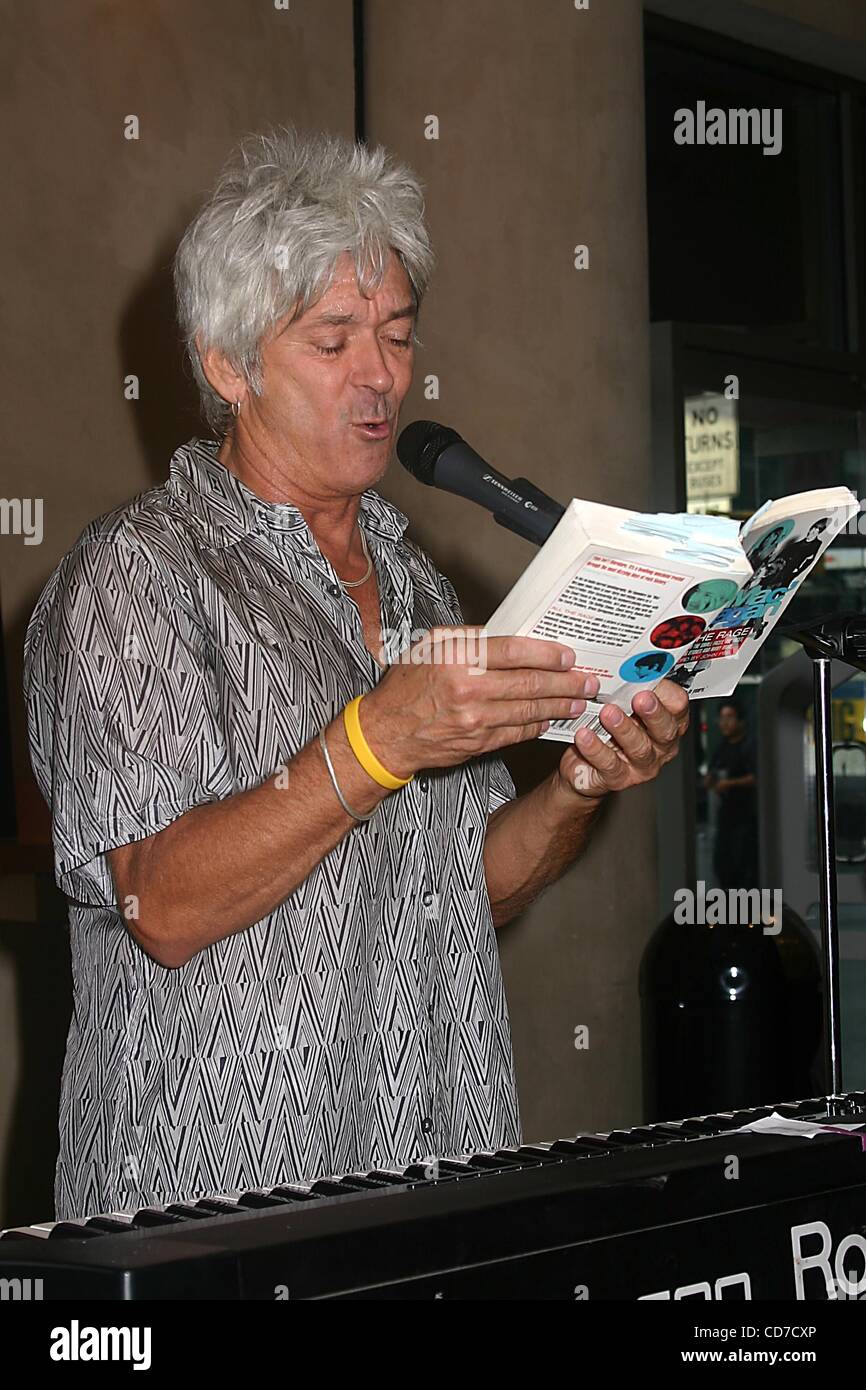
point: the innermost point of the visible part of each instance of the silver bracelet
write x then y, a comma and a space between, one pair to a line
333, 776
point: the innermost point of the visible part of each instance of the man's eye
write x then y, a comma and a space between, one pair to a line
338, 348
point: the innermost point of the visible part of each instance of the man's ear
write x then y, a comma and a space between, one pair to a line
221, 375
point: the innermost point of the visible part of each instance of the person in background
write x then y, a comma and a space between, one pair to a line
731, 776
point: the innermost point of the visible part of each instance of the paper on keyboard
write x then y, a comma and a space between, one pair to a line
779, 1124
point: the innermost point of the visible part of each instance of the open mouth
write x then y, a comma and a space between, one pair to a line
375, 429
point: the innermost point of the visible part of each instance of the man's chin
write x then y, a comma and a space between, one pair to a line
366, 463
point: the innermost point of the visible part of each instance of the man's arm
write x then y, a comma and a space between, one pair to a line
223, 866
531, 841
729, 783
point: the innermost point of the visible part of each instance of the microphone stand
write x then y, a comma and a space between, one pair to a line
841, 637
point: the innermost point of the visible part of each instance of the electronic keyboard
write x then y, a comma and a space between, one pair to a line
686, 1209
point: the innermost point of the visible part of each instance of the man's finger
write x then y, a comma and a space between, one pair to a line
510, 683
516, 733
657, 719
602, 757
675, 699
528, 651
501, 653
513, 713
635, 742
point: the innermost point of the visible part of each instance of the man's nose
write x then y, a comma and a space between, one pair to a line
371, 369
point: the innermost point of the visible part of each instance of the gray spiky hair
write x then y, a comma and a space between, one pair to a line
286, 205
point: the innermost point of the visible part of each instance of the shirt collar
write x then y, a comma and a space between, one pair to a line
225, 510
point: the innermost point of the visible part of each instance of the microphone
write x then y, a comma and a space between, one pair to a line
437, 456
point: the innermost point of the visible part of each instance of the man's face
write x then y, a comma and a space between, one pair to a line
765, 546
346, 361
729, 724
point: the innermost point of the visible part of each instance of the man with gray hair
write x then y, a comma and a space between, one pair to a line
286, 853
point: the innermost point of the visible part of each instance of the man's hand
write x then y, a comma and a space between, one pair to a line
642, 743
459, 696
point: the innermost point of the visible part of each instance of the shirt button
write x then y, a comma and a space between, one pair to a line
426, 1125
333, 590
428, 899
431, 1012
423, 783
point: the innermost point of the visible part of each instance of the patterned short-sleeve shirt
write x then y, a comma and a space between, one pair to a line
188, 645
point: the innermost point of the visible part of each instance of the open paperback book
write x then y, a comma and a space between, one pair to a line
682, 596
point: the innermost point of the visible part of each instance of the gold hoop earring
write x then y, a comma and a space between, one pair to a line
236, 408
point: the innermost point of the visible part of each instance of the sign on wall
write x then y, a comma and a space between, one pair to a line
712, 451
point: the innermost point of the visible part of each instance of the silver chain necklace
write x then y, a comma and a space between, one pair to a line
354, 583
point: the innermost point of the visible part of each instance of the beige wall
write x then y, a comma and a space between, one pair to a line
86, 244
544, 369
87, 238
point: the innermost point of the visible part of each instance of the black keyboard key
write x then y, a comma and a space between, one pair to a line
440, 1170
708, 1127
72, 1230
256, 1201
154, 1216
629, 1138
334, 1187
365, 1181
460, 1168
533, 1152
189, 1210
801, 1109
24, 1233
109, 1224
584, 1147
293, 1192
492, 1163
218, 1206
391, 1178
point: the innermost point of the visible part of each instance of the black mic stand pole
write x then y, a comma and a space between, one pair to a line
838, 638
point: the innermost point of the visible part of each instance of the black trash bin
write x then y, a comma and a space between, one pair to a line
730, 1017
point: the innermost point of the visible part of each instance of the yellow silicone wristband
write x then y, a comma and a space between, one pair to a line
364, 753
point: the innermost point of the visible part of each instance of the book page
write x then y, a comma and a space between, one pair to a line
630, 622
782, 549
690, 599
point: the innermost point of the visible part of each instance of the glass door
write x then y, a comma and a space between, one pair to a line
735, 424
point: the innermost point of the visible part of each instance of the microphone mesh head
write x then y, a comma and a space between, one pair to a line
420, 445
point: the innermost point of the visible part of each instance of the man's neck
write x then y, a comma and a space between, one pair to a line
333, 521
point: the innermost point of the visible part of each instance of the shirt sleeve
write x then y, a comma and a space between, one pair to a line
122, 712
500, 785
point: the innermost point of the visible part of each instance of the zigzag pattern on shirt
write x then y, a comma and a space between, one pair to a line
190, 644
